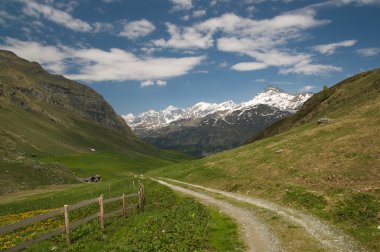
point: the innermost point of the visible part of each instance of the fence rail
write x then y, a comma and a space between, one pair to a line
101, 215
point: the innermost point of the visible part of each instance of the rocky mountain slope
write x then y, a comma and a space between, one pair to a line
207, 128
47, 115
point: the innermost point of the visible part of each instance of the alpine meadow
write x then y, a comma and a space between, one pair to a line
189, 125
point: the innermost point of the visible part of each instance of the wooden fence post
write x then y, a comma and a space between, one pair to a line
67, 224
139, 199
143, 195
101, 211
124, 207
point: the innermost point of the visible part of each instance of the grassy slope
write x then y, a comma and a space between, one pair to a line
38, 133
330, 170
168, 222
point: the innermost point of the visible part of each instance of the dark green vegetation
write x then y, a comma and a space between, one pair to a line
168, 222
329, 169
45, 116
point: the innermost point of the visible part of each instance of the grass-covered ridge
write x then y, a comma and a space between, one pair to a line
331, 170
169, 222
44, 116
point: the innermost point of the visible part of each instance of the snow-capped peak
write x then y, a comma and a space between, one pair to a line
271, 96
272, 89
277, 98
170, 108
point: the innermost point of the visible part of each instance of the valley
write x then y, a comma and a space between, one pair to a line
306, 178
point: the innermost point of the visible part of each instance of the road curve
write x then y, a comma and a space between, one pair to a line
256, 236
330, 238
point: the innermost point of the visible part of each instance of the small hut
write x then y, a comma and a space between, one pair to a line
92, 179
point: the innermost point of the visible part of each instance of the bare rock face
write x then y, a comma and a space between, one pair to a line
29, 86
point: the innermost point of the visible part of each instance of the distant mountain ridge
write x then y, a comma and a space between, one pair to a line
271, 96
206, 128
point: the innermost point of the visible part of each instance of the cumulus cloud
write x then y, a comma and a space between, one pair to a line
57, 16
137, 29
161, 83
181, 4
53, 58
368, 52
146, 83
129, 117
149, 83
119, 65
102, 65
263, 40
330, 48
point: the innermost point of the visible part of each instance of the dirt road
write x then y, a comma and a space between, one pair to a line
257, 236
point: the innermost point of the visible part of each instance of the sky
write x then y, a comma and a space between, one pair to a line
149, 54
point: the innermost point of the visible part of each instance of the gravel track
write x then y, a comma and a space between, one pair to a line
330, 238
256, 236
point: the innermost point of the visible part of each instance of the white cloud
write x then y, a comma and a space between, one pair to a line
149, 83
259, 33
249, 66
129, 117
101, 65
181, 4
368, 52
161, 83
330, 48
37, 10
199, 13
146, 83
263, 40
103, 27
51, 57
307, 88
137, 29
118, 65
310, 69
188, 38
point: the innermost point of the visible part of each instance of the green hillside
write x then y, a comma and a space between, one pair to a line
331, 169
47, 118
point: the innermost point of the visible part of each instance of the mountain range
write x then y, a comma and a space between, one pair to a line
206, 128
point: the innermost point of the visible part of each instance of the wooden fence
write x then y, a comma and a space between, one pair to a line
101, 215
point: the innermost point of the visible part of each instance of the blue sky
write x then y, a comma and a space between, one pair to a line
149, 54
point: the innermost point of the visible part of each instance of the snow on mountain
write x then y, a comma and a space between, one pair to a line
271, 96
277, 98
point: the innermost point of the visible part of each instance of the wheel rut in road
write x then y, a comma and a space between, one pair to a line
329, 237
256, 235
